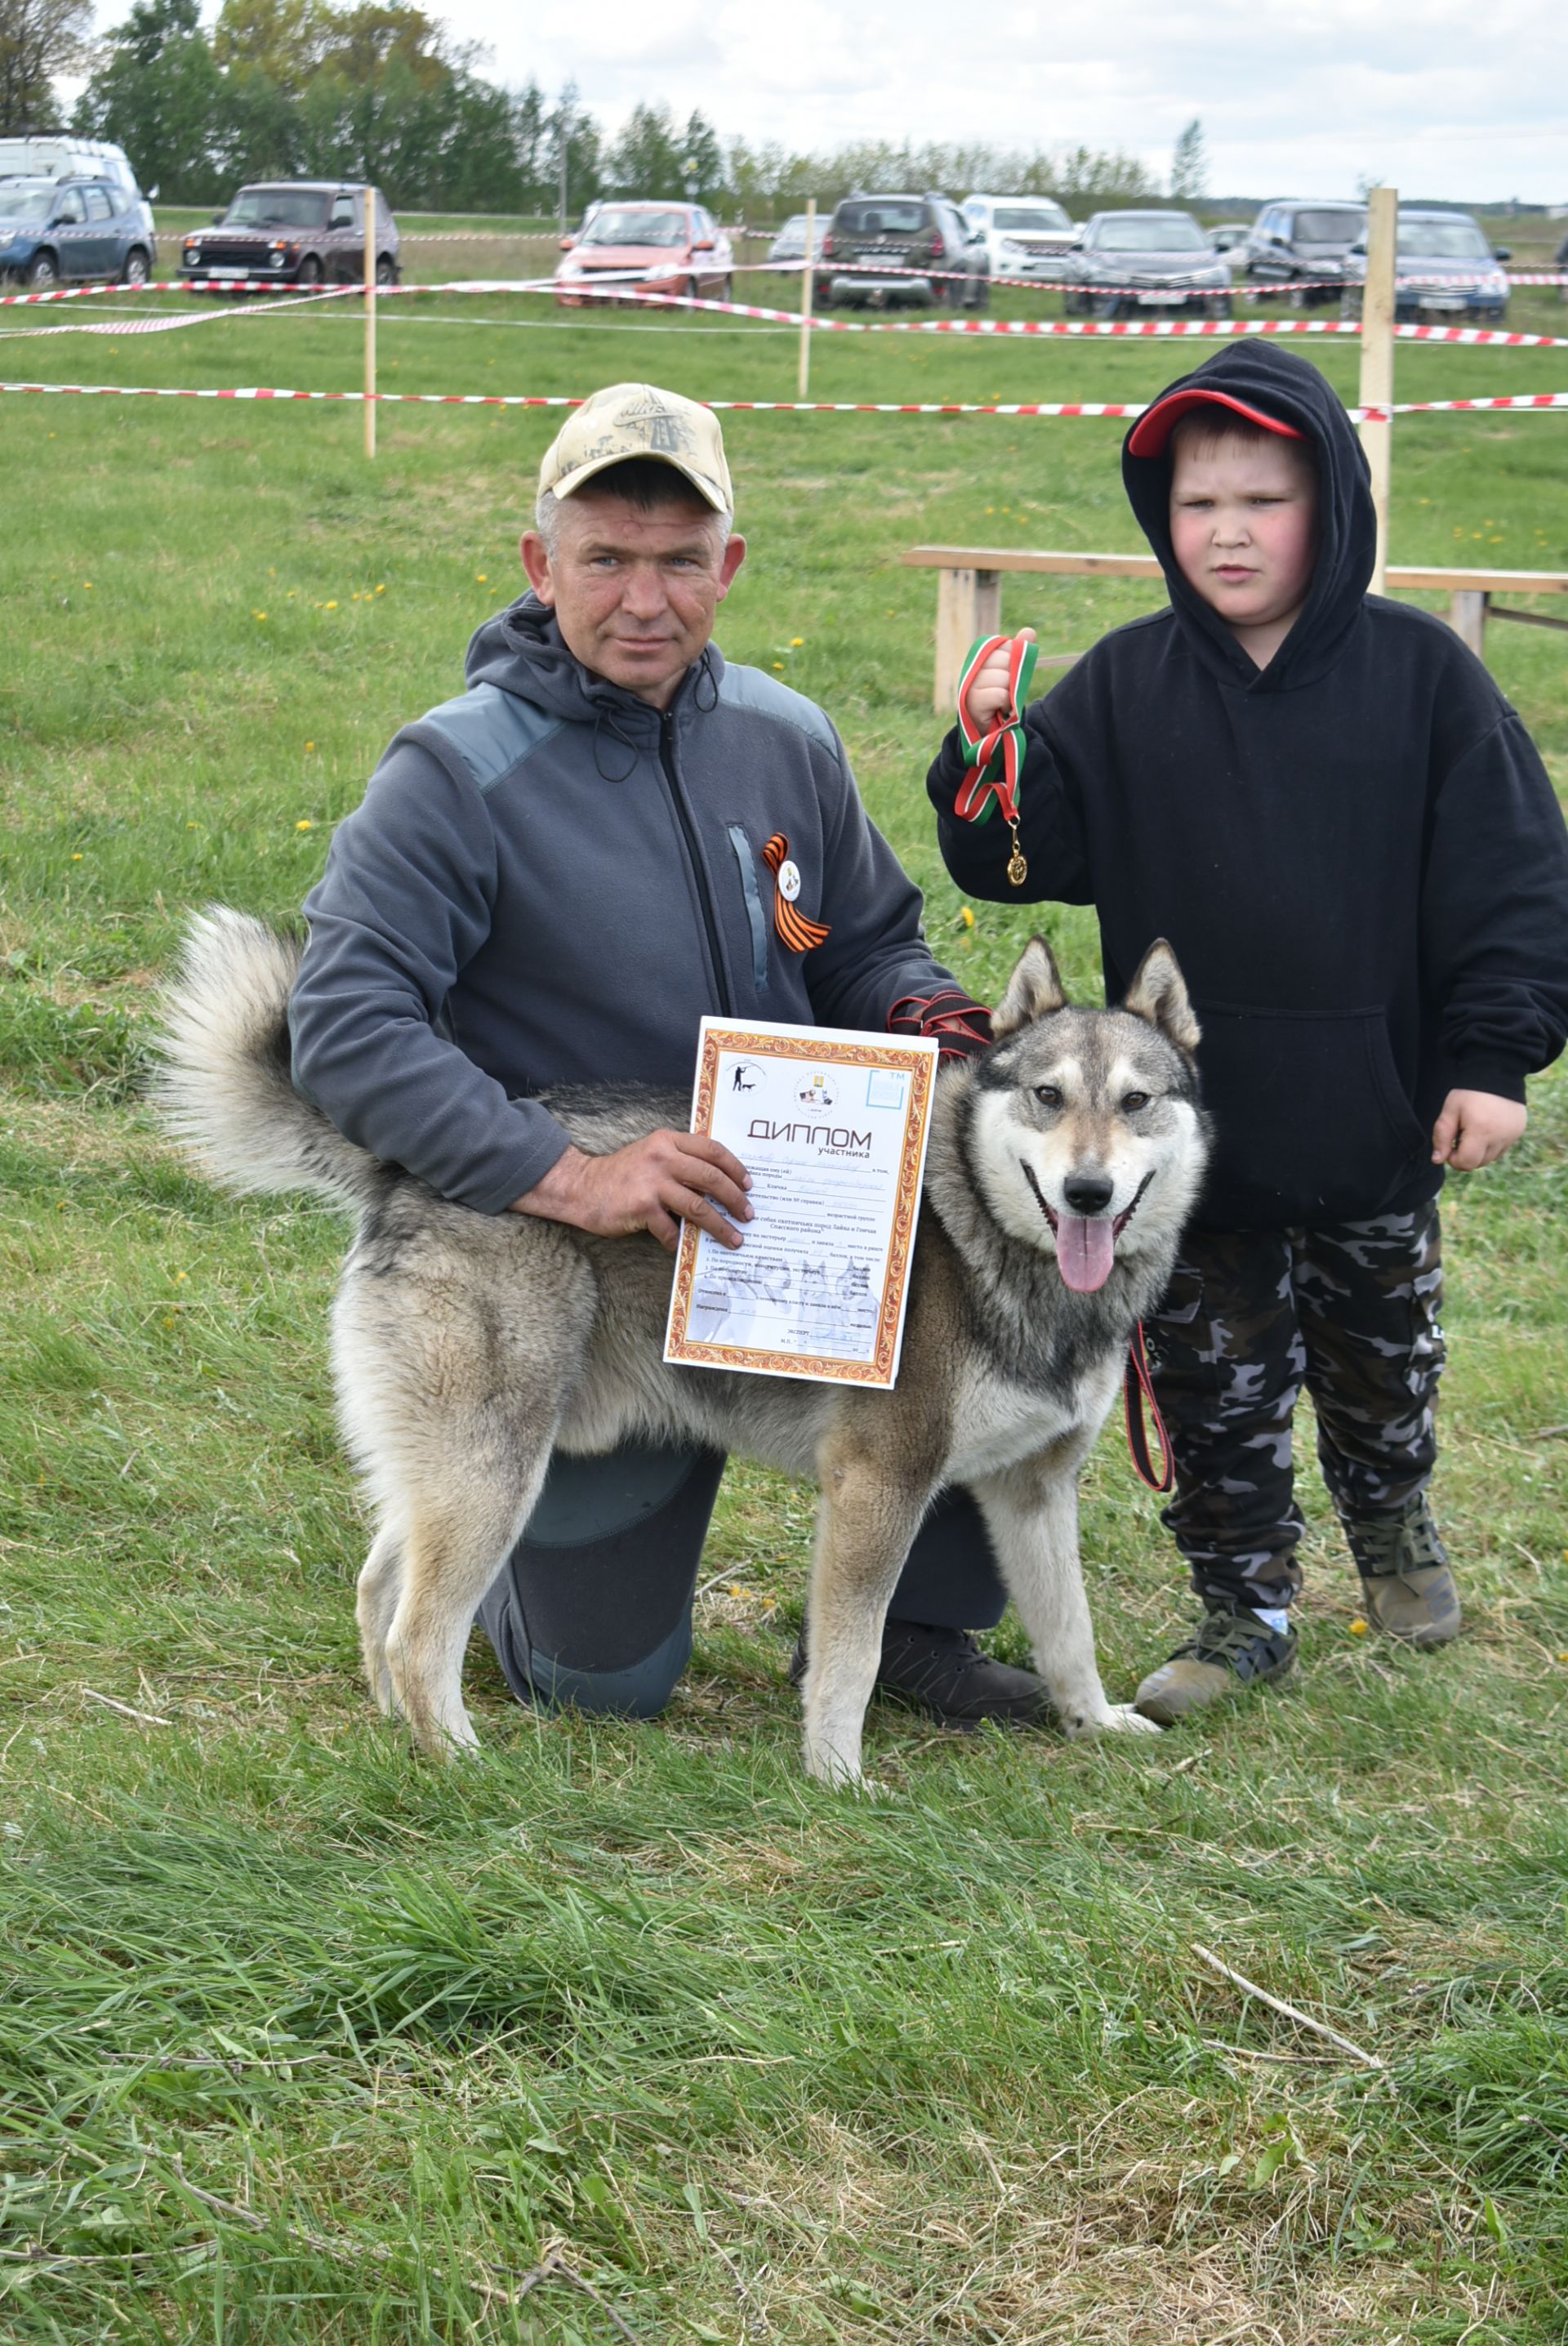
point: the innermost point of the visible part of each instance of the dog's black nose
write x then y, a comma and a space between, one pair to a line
1087, 1193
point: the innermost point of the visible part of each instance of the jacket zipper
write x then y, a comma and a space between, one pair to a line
672, 780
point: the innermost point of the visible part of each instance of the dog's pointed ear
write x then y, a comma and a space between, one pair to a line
1033, 990
1158, 993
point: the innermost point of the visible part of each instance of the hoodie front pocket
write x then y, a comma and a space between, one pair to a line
1312, 1124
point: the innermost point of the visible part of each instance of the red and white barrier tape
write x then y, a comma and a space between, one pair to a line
181, 285
518, 399
1083, 329
118, 326
993, 329
420, 236
1261, 289
1536, 400
1458, 406
270, 285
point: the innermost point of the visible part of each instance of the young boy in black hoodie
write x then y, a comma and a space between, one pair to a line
1323, 800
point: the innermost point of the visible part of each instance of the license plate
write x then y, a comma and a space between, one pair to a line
226, 273
1440, 302
1159, 301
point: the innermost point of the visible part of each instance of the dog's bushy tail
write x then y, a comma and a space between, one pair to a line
224, 1087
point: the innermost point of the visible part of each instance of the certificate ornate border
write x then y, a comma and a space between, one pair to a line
880, 1370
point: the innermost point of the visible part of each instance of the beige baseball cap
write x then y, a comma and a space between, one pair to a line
637, 419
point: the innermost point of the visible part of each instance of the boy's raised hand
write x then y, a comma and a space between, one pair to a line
1476, 1128
988, 693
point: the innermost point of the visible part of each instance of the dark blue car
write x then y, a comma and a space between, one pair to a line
52, 230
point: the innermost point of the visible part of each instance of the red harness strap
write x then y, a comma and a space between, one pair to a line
1138, 1394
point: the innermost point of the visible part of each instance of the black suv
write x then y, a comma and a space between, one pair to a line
1291, 244
295, 232
924, 245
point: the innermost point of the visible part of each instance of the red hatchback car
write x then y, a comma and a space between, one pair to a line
648, 248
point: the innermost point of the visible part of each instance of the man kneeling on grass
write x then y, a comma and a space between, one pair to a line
550, 880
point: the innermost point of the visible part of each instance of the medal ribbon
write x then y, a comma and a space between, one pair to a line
996, 755
794, 929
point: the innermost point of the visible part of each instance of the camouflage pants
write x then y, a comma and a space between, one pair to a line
1249, 1318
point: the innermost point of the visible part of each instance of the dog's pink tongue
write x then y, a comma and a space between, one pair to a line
1085, 1252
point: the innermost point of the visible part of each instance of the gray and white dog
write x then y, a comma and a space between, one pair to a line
1063, 1164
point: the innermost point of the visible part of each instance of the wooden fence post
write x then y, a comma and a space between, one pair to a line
1467, 617
803, 376
968, 604
370, 241
1378, 299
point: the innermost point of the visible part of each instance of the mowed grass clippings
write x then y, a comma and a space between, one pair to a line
629, 2029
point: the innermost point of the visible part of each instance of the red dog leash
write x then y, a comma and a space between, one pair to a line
1138, 1394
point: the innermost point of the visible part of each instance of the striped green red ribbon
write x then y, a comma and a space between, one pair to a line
996, 753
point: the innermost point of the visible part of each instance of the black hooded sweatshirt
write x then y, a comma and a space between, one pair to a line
1355, 851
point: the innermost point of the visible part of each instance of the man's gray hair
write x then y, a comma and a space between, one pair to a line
547, 507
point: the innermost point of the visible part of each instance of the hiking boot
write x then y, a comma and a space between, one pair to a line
1407, 1584
1227, 1652
944, 1673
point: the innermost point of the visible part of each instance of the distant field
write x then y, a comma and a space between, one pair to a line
306, 2040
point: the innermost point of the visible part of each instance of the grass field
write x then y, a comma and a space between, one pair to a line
630, 2032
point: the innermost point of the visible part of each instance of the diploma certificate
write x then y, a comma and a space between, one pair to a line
831, 1126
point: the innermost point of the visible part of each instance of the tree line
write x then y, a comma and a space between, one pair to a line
377, 90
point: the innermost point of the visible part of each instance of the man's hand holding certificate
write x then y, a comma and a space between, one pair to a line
831, 1126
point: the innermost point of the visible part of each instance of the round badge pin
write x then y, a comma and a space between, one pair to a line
788, 880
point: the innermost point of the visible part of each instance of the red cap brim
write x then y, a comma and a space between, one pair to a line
1151, 434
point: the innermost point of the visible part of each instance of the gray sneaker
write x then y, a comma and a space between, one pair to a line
1228, 1652
1406, 1584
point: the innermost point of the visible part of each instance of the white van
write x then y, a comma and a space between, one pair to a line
59, 156
1025, 236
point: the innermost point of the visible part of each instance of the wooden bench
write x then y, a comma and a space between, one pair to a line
969, 597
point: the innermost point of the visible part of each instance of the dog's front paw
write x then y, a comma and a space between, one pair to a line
1116, 1718
835, 1765
1121, 1718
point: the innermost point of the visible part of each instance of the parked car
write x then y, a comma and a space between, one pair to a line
53, 229
920, 250
61, 157
1229, 240
787, 250
1128, 262
1293, 243
293, 232
1025, 236
649, 247
1444, 268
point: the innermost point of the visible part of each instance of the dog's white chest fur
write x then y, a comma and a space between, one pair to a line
997, 1424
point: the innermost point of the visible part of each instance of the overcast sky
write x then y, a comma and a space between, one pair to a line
1438, 98
1442, 98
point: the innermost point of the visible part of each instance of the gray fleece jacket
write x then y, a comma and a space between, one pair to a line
548, 882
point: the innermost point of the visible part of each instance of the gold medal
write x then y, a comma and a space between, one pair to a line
1017, 866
